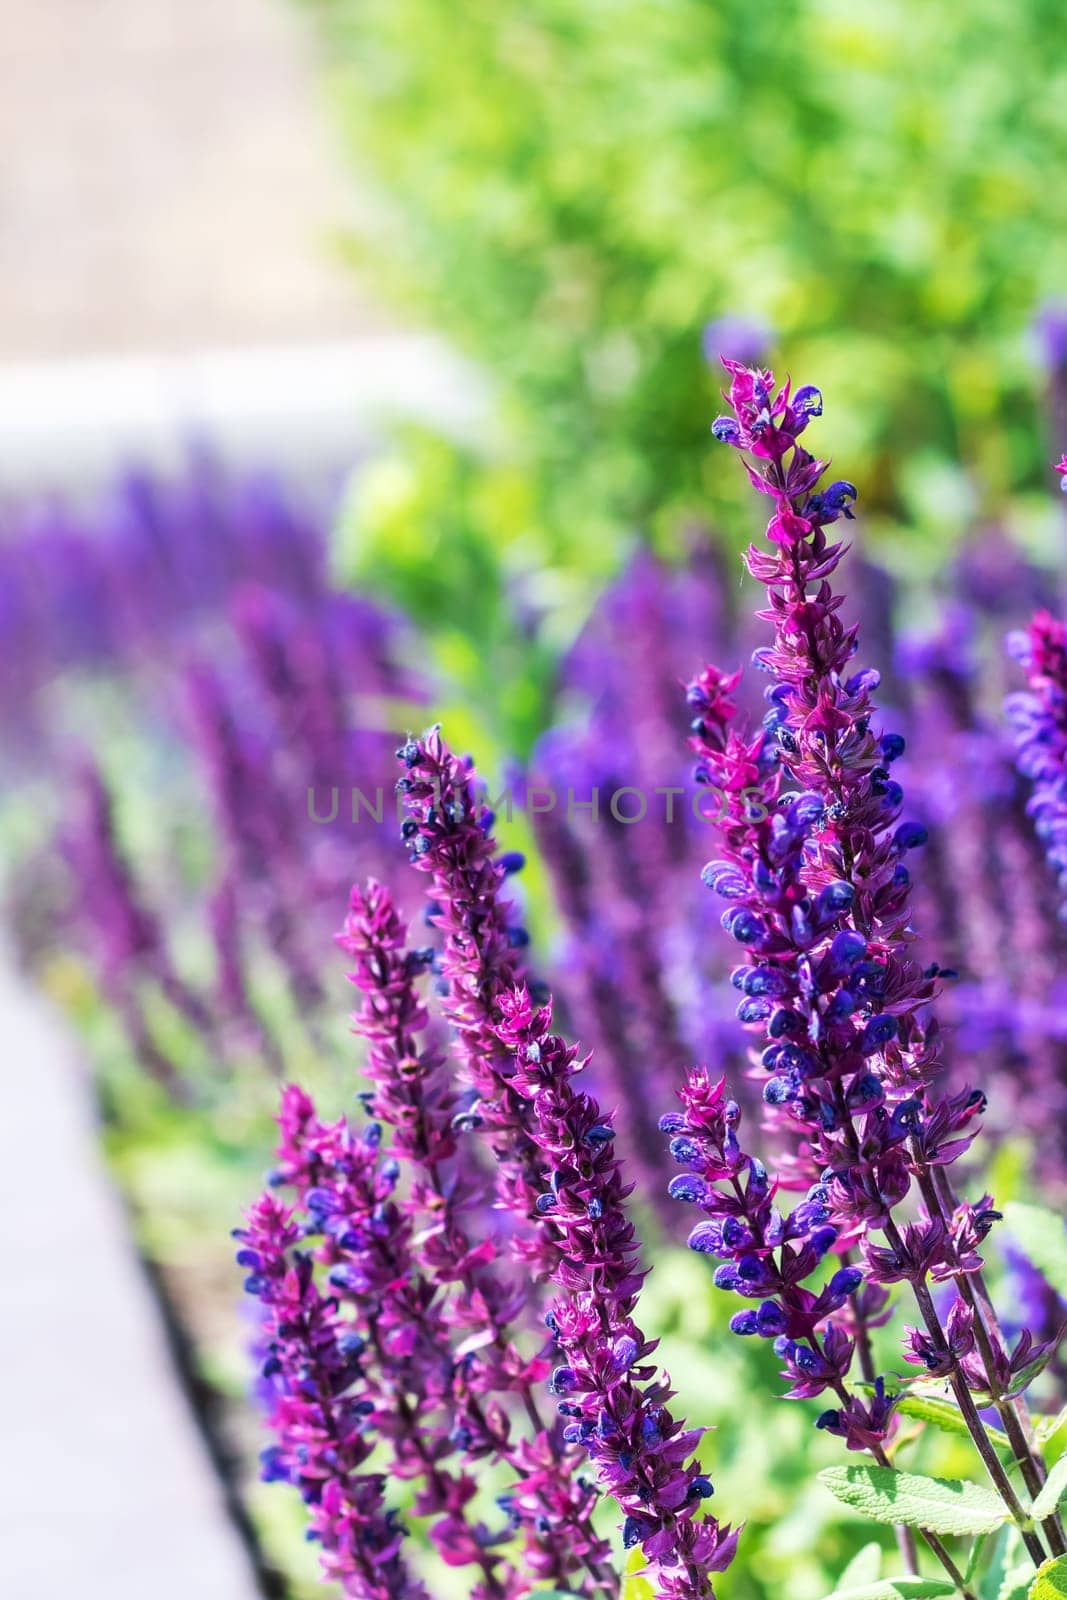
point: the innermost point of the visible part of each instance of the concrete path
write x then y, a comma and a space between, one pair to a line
106, 1491
171, 178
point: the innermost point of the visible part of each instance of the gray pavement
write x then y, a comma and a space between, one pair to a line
106, 1490
170, 179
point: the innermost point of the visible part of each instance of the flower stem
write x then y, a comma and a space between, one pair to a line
973, 1291
964, 1399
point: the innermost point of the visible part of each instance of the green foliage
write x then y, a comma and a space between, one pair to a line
896, 1589
940, 1505
864, 1568
1051, 1580
1042, 1238
570, 189
942, 1414
1053, 1491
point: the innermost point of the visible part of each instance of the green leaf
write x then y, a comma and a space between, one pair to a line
635, 1586
1043, 1240
865, 1567
1051, 1580
1052, 1490
975, 1556
1046, 1428
897, 1589
943, 1414
941, 1505
931, 1408
1016, 1582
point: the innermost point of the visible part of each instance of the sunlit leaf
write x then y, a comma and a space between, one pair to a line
940, 1505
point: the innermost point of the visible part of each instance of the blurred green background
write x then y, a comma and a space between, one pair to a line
572, 189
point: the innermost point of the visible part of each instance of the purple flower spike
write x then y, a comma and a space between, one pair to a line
614, 1403
448, 834
1039, 719
319, 1414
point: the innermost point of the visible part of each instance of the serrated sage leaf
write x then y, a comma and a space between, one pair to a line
1051, 1580
897, 1589
1052, 1490
1042, 1238
941, 1505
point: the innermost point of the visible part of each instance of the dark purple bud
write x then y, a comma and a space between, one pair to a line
743, 925
807, 402
865, 1092
706, 1239
745, 1323
762, 981
879, 1031
624, 1353
845, 1282
771, 1320
823, 1239
837, 500
689, 1188
892, 746
847, 946
784, 1023
272, 1467
686, 1152
634, 1529
724, 878
867, 679
806, 810
910, 835
834, 898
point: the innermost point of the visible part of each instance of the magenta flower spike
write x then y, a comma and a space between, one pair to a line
448, 831
1038, 716
615, 1404
319, 1413
459, 1253
819, 897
